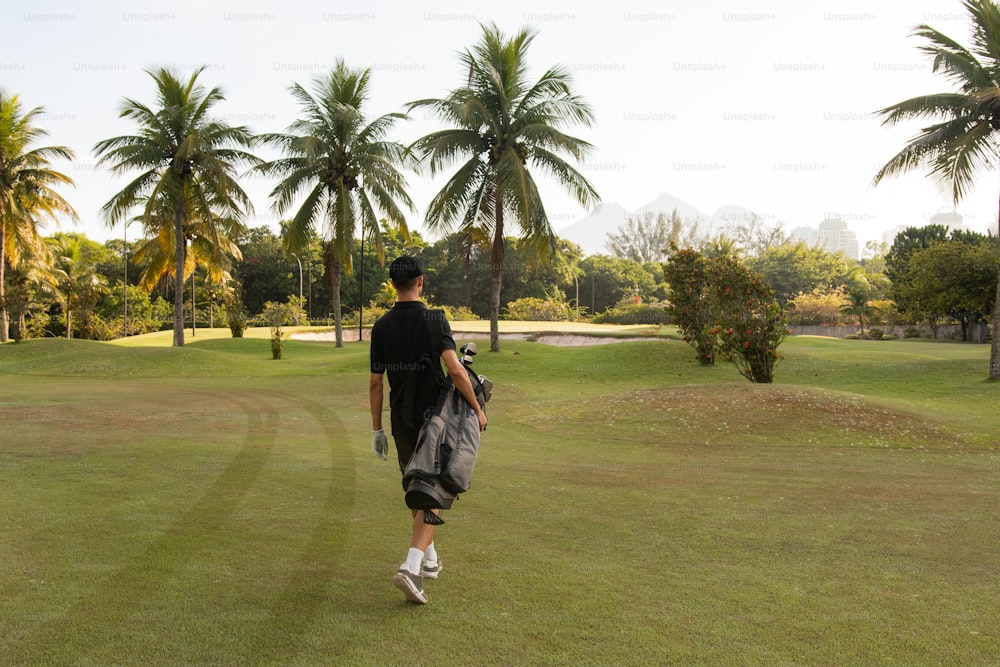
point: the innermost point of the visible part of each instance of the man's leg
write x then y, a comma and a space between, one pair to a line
423, 533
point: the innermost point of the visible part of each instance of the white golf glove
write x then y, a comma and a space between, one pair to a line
380, 445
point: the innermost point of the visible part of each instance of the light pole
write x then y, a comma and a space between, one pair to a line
299, 308
125, 281
361, 289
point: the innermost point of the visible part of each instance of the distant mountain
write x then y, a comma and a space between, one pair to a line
666, 203
590, 233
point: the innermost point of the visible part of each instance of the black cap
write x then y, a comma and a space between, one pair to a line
405, 268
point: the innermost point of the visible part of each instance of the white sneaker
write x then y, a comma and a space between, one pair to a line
430, 569
411, 584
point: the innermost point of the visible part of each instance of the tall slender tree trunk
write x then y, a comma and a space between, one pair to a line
995, 325
194, 311
69, 313
4, 321
180, 245
333, 268
496, 274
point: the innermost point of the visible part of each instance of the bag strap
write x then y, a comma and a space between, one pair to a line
434, 337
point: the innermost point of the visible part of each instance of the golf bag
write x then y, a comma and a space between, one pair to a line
445, 455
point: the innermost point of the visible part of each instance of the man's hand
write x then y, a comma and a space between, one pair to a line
380, 445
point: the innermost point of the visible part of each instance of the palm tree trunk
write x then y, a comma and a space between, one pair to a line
4, 323
496, 275
332, 268
180, 244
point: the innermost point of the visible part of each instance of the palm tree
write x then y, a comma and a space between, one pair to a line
857, 305
503, 124
77, 279
211, 248
27, 197
187, 161
344, 167
29, 286
962, 138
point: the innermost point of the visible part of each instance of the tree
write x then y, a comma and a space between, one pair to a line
187, 186
908, 242
953, 279
504, 127
647, 238
963, 138
750, 323
27, 194
31, 291
857, 306
753, 237
345, 168
78, 282
690, 307
793, 268
606, 281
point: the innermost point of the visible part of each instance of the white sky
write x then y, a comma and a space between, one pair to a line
767, 105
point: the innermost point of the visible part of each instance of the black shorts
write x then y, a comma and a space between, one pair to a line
405, 439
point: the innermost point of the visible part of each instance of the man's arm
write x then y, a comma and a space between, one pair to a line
461, 380
375, 392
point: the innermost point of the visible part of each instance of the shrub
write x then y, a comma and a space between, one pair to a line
644, 313
750, 323
821, 306
689, 307
542, 310
912, 332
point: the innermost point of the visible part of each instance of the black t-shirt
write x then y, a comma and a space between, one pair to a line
407, 343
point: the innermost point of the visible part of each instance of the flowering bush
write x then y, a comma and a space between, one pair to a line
724, 309
689, 308
750, 323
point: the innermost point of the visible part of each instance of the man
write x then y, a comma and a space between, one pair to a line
407, 344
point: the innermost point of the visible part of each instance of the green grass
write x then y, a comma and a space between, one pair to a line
209, 505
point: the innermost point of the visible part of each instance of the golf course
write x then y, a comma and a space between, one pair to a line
208, 505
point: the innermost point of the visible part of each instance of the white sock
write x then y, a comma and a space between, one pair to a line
431, 554
413, 559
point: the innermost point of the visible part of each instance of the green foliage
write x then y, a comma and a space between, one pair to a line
146, 313
502, 129
277, 315
642, 313
647, 238
796, 268
542, 310
820, 306
749, 321
951, 279
186, 187
27, 195
690, 308
908, 242
267, 272
606, 280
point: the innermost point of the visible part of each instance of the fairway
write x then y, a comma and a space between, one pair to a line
208, 505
